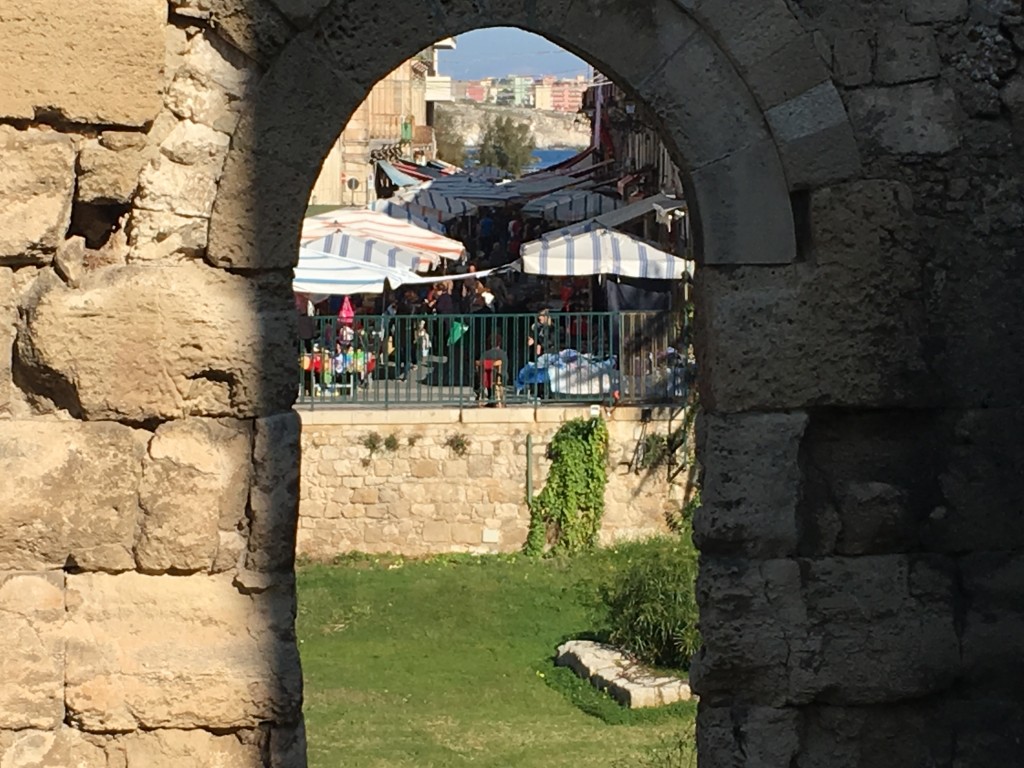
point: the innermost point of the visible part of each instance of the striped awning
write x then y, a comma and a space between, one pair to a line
467, 189
448, 207
377, 252
324, 274
379, 226
600, 252
654, 204
396, 210
321, 274
572, 206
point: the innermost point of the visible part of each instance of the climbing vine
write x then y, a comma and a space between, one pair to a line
566, 515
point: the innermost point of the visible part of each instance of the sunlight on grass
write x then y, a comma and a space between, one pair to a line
448, 663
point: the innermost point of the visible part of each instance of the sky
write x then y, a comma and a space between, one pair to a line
506, 51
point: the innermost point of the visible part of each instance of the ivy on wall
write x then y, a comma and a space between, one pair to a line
565, 517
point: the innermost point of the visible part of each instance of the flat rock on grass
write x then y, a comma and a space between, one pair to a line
626, 681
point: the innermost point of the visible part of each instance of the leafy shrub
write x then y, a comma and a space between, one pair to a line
458, 443
567, 514
372, 442
391, 443
650, 606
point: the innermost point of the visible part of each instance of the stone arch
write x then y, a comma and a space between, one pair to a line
744, 100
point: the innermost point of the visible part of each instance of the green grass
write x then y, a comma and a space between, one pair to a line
447, 662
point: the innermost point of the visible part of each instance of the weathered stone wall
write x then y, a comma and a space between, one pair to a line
422, 497
855, 173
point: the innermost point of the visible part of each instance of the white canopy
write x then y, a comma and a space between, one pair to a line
369, 251
600, 252
572, 206
379, 226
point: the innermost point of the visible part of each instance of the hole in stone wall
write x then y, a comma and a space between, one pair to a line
96, 222
800, 201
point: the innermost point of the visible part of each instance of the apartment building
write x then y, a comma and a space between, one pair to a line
398, 114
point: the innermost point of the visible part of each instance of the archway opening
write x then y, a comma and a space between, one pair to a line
759, 137
408, 452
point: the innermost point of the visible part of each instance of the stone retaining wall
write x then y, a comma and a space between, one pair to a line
422, 497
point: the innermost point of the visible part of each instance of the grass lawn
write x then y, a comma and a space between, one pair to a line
447, 662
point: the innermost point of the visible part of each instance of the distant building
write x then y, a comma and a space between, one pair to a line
515, 91
567, 95
396, 116
542, 96
470, 90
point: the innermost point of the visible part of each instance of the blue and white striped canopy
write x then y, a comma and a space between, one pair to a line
467, 189
321, 274
448, 206
377, 252
399, 211
572, 206
600, 252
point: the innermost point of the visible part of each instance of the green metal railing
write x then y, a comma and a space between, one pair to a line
494, 359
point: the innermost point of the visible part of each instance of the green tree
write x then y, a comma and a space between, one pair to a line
451, 147
507, 145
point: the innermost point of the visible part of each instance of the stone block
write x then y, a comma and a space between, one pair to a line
491, 536
70, 495
868, 630
915, 119
845, 737
61, 747
149, 652
466, 533
852, 57
874, 518
126, 346
815, 138
108, 176
162, 236
114, 80
32, 666
437, 532
274, 498
993, 635
365, 496
260, 231
750, 614
695, 81
773, 52
752, 181
37, 185
255, 27
752, 737
425, 468
752, 484
981, 484
906, 54
168, 748
881, 629
301, 12
987, 731
931, 11
211, 84
195, 484
184, 190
